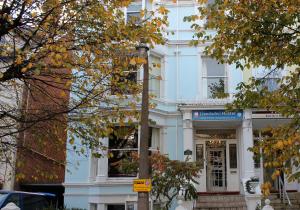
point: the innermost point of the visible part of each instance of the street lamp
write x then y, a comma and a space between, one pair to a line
144, 165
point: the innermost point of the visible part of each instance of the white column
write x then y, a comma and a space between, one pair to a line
187, 132
102, 170
246, 162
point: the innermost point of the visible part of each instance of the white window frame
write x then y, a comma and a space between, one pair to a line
205, 78
126, 11
152, 76
132, 149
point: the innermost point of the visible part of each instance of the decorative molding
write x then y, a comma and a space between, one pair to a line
205, 103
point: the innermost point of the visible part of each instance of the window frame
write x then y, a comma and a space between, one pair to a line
205, 78
127, 11
115, 91
156, 148
131, 149
152, 75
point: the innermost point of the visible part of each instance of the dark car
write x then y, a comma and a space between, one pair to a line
28, 200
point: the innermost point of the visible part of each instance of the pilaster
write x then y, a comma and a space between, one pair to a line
187, 132
247, 162
102, 169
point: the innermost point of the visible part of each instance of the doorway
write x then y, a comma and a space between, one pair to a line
216, 168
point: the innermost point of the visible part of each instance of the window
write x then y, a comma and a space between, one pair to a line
270, 82
199, 155
93, 206
154, 140
215, 78
123, 148
256, 156
121, 82
123, 145
131, 205
155, 76
116, 207
34, 202
13, 198
209, 2
94, 167
258, 136
134, 10
269, 78
232, 156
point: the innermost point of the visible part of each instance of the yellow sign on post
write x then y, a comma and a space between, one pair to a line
142, 185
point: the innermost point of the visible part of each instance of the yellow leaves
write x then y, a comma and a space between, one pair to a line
68, 83
29, 66
1, 75
63, 94
58, 57
265, 187
24, 69
28, 1
71, 141
18, 60
279, 144
162, 10
137, 61
33, 14
159, 77
132, 62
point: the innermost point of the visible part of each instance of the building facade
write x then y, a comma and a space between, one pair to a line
190, 118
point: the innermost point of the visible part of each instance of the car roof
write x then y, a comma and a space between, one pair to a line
28, 193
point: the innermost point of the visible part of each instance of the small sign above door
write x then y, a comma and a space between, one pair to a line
216, 115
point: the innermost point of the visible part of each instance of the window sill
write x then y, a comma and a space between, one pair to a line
109, 181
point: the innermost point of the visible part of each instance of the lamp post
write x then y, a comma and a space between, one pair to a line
144, 165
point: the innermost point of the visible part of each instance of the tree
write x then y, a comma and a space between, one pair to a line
169, 178
264, 34
218, 89
60, 48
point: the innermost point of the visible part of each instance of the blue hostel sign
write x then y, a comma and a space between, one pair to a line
216, 115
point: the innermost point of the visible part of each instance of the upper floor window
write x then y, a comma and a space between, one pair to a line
133, 11
271, 81
215, 78
125, 82
269, 77
155, 76
154, 139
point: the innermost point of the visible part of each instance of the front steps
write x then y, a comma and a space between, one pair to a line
221, 202
277, 204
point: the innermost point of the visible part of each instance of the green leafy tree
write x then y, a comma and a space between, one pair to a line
264, 34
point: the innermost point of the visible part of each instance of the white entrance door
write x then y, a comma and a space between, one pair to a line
216, 169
